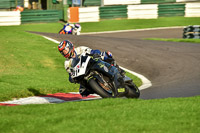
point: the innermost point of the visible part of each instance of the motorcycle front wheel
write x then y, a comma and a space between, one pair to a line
99, 89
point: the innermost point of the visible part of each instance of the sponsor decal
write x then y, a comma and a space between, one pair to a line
101, 65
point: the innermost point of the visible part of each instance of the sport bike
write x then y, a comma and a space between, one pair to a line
100, 77
73, 29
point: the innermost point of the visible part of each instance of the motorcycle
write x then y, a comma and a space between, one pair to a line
73, 29
100, 77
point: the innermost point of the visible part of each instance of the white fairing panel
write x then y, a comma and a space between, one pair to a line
79, 69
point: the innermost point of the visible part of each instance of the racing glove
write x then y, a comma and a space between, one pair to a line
71, 79
96, 55
105, 55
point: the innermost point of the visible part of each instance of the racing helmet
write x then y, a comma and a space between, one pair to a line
77, 25
66, 45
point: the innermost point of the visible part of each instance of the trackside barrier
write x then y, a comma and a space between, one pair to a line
121, 2
111, 12
87, 2
192, 10
169, 10
157, 1
35, 16
91, 2
191, 32
94, 14
143, 11
73, 14
147, 11
89, 14
128, 2
10, 18
187, 0
7, 4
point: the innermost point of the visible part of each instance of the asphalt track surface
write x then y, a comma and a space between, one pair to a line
172, 67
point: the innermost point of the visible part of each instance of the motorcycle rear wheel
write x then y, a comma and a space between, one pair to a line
98, 89
133, 91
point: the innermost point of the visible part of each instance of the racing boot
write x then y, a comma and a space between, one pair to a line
83, 91
113, 63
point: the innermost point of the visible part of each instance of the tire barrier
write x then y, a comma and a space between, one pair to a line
191, 32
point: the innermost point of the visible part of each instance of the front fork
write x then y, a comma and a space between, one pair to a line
116, 82
97, 76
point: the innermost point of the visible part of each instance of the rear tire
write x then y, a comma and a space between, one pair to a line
133, 91
98, 89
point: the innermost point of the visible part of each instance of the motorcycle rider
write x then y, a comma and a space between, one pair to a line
70, 28
66, 48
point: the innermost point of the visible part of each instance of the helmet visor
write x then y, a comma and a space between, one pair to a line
67, 53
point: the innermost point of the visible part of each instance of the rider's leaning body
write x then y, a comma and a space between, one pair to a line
70, 28
67, 49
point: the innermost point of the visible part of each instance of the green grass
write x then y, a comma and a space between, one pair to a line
30, 65
107, 115
124, 24
175, 40
111, 25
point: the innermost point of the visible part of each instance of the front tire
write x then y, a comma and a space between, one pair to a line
98, 89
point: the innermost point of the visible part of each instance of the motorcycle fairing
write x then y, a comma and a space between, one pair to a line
79, 66
67, 29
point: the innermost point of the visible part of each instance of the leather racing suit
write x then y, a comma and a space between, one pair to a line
80, 50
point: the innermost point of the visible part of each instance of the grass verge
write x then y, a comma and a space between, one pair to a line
112, 25
30, 65
175, 40
106, 115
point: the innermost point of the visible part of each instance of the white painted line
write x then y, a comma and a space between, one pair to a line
145, 82
118, 31
90, 94
46, 100
53, 40
34, 100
